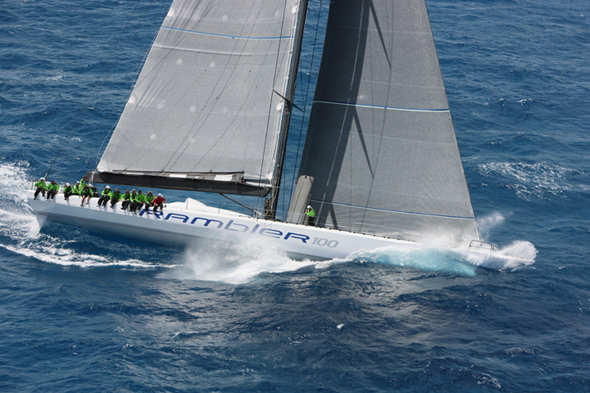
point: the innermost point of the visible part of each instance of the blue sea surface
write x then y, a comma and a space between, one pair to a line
84, 311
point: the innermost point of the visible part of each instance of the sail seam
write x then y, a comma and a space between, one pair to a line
389, 108
395, 211
233, 37
168, 47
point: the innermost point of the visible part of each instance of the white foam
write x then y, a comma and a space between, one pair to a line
234, 263
16, 217
70, 258
488, 223
19, 224
534, 181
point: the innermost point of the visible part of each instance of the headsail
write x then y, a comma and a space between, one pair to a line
381, 146
206, 111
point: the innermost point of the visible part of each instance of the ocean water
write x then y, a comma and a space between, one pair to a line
82, 311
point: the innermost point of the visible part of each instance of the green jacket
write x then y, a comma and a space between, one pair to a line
149, 198
68, 189
86, 191
41, 184
115, 195
133, 196
54, 187
126, 197
140, 198
106, 191
76, 189
310, 212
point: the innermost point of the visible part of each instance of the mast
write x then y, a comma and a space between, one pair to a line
284, 132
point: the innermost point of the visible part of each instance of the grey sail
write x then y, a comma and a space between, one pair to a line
206, 111
381, 146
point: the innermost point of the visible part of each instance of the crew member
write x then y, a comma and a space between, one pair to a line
76, 189
159, 202
310, 213
83, 182
115, 196
86, 194
127, 199
104, 197
138, 201
41, 187
52, 189
68, 190
149, 200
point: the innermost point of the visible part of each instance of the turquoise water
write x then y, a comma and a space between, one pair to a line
81, 311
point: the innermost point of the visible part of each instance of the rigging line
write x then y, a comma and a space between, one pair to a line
270, 102
305, 99
256, 212
84, 108
71, 153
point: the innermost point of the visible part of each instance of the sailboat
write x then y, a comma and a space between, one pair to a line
211, 111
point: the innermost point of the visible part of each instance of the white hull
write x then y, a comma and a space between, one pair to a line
188, 223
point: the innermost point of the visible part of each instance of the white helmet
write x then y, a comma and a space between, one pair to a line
309, 206
159, 194
108, 187
90, 186
67, 184
42, 179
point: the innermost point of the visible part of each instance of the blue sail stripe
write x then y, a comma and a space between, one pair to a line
233, 37
391, 108
396, 211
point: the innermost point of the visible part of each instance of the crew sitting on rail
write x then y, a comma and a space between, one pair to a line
159, 202
126, 200
52, 189
115, 196
41, 187
68, 190
149, 200
86, 194
104, 197
76, 189
138, 201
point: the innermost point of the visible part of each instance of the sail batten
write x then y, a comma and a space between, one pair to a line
380, 107
233, 37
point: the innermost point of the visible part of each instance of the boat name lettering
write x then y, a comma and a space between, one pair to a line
231, 225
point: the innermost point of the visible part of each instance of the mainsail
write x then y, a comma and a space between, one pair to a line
206, 111
381, 146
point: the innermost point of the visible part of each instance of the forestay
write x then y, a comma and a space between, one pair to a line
206, 110
381, 145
